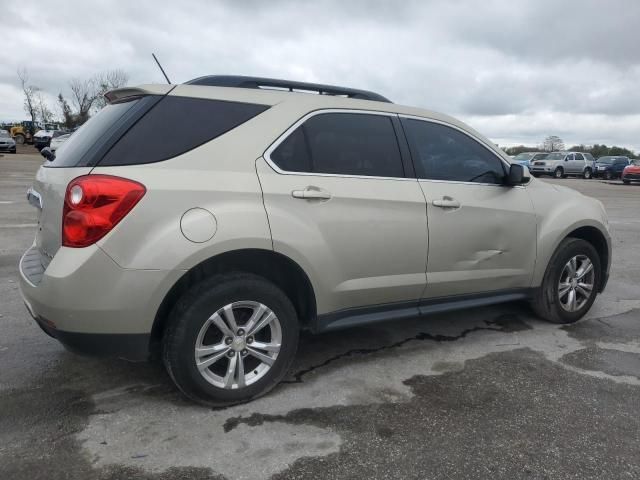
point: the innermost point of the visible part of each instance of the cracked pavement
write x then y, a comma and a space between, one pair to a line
485, 393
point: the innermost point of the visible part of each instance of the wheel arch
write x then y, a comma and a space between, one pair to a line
595, 237
275, 267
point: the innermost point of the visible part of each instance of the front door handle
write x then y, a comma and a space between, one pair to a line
311, 193
446, 202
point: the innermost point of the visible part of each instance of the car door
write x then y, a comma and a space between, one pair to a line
569, 164
619, 165
577, 163
342, 204
482, 234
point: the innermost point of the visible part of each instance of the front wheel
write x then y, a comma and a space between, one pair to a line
608, 175
558, 173
570, 283
587, 174
625, 181
230, 339
20, 140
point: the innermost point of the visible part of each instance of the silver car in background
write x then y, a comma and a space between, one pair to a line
7, 144
563, 164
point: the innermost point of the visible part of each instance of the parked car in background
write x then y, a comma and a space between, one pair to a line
7, 144
42, 138
611, 167
526, 158
218, 271
58, 139
563, 164
631, 172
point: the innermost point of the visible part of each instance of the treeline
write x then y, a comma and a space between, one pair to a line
87, 97
596, 150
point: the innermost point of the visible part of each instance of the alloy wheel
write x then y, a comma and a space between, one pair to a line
238, 344
576, 283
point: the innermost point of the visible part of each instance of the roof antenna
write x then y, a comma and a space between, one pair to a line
160, 67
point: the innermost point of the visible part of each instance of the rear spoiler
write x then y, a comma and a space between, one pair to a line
120, 94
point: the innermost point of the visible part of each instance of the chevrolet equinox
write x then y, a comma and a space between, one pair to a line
212, 221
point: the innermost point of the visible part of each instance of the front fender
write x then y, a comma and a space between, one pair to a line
560, 212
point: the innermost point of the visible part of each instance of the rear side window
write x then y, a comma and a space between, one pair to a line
176, 125
342, 144
444, 153
579, 156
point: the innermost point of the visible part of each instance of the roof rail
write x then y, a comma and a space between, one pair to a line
238, 81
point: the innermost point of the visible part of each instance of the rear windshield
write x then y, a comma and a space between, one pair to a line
82, 147
150, 129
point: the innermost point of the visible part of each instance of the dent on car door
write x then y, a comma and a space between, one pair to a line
482, 234
339, 204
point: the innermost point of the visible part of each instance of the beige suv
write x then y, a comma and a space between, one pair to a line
212, 221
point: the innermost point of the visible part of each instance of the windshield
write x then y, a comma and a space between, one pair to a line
556, 156
607, 160
4, 133
523, 156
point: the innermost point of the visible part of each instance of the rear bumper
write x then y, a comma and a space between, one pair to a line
133, 347
91, 305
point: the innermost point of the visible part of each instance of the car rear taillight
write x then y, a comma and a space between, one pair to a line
94, 204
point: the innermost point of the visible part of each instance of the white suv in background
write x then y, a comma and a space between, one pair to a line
212, 221
563, 164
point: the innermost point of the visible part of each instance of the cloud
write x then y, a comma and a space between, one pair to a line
570, 66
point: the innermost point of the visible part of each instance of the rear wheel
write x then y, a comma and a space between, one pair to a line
587, 174
559, 173
570, 283
19, 138
230, 339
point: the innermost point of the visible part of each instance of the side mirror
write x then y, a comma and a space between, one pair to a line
516, 176
48, 154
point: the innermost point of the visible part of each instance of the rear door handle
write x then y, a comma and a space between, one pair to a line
311, 193
446, 202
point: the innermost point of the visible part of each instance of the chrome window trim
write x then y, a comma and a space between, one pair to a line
490, 148
300, 121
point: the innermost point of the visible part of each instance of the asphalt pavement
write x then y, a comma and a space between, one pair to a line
484, 393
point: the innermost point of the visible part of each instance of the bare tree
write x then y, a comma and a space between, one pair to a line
106, 81
67, 115
45, 114
553, 143
83, 96
30, 91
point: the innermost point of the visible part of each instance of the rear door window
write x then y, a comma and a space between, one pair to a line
342, 144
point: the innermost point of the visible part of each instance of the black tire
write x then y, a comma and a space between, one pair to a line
626, 182
546, 303
608, 175
558, 173
587, 175
191, 312
20, 140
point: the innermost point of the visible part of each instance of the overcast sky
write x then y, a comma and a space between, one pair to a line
515, 70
